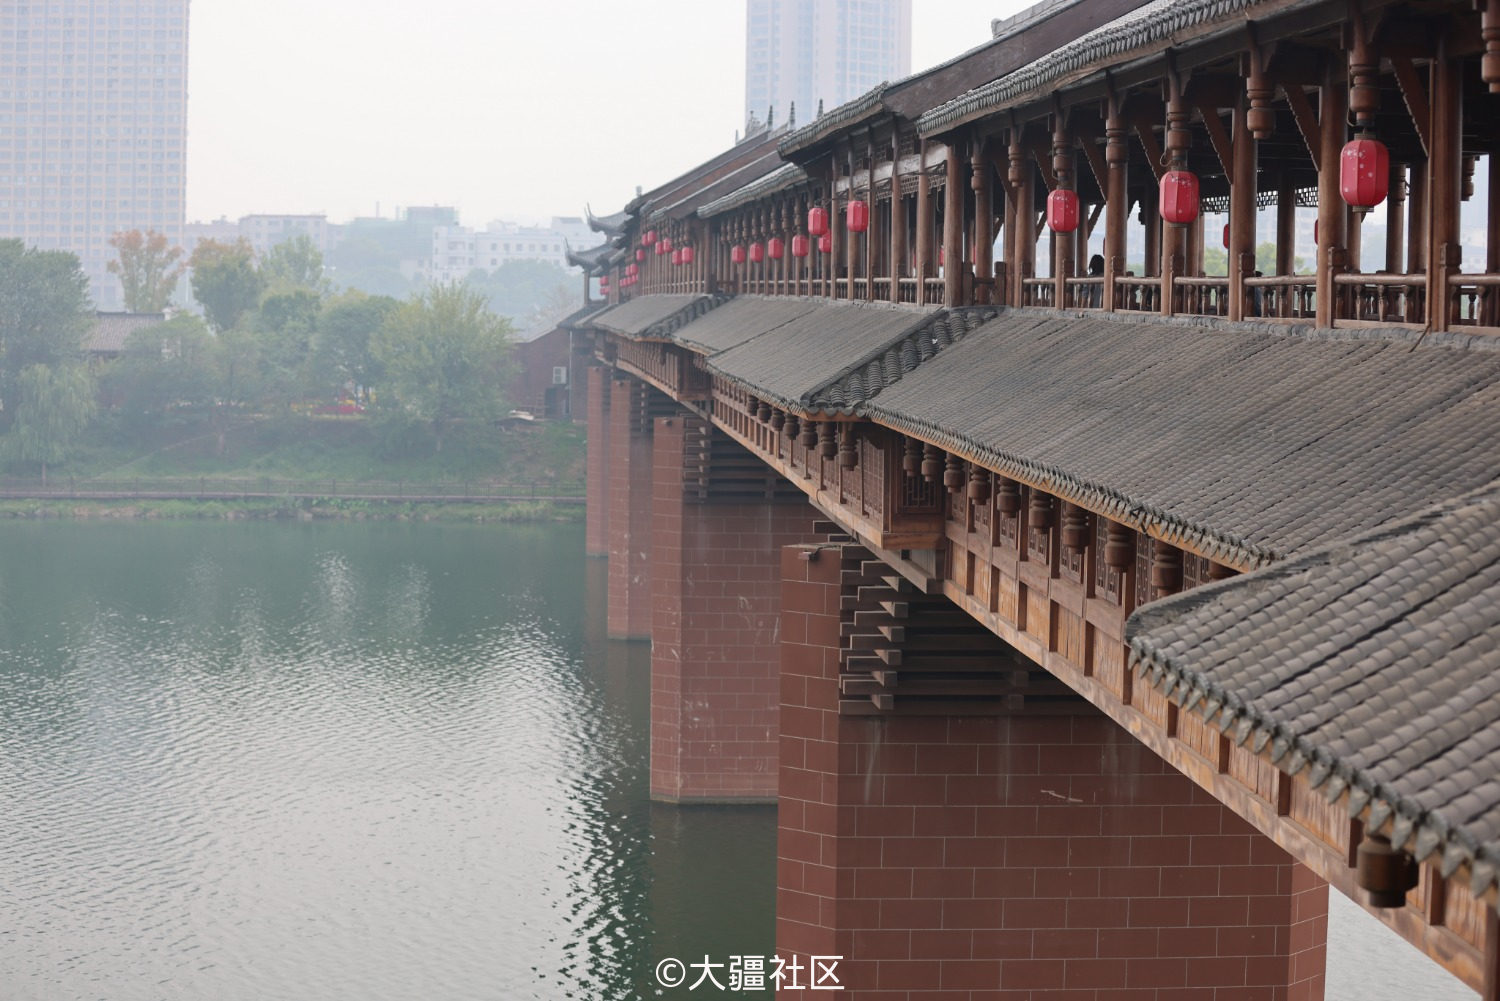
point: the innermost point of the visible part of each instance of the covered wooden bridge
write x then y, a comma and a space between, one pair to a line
1085, 623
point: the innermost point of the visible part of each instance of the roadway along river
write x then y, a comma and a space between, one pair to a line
374, 761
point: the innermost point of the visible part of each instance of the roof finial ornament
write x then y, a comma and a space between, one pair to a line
791, 115
820, 107
770, 117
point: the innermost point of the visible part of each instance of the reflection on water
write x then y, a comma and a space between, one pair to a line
364, 761
370, 761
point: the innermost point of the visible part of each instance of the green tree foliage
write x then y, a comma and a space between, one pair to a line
55, 404
166, 367
225, 281
445, 357
44, 314
342, 351
148, 268
294, 264
522, 289
285, 326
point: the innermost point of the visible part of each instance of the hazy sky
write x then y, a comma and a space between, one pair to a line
515, 109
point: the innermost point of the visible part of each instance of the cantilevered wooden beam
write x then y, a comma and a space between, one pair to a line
1219, 137
1307, 122
1415, 96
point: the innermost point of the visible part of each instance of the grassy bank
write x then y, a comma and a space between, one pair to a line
293, 509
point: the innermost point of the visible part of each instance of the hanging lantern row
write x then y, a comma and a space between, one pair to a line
737, 254
640, 254
1364, 172
648, 238
631, 270
757, 253
687, 255
676, 257
775, 247
799, 246
825, 243
1062, 210
817, 221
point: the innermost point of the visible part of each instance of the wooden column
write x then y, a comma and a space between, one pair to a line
869, 242
1025, 226
953, 229
1286, 226
1416, 222
1333, 107
1116, 199
1445, 184
984, 218
1395, 219
1242, 194
898, 222
836, 221
1353, 237
923, 266
1193, 251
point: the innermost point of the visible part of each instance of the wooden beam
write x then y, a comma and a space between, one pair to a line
1042, 153
1415, 96
1307, 122
1095, 157
1218, 136
1145, 132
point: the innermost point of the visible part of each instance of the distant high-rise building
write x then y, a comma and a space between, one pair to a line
806, 51
93, 126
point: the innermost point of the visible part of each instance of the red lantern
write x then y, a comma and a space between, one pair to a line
858, 216
1062, 210
825, 243
775, 247
1315, 231
649, 238
737, 254
1364, 171
817, 221
799, 246
757, 253
661, 247
631, 270
676, 257
666, 242
1179, 197
687, 255
1226, 236
640, 254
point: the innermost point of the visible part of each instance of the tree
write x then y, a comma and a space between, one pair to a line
44, 314
342, 352
225, 281
167, 366
55, 404
294, 264
284, 326
445, 356
148, 269
520, 289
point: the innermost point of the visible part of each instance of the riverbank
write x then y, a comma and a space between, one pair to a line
295, 509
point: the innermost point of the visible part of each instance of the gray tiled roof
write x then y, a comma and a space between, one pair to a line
786, 176
1245, 443
739, 320
1155, 23
110, 330
653, 315
1372, 664
796, 363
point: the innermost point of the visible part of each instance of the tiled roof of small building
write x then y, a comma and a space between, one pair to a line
110, 330
1247, 444
653, 316
786, 176
1371, 664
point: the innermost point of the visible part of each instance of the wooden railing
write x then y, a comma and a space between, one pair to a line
1084, 293
1198, 296
1133, 294
1474, 300
1037, 291
1281, 297
1383, 298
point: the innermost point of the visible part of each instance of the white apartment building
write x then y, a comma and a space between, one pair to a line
93, 126
458, 250
806, 51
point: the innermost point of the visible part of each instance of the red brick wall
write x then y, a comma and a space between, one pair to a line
1015, 858
629, 612
716, 593
596, 464
530, 386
